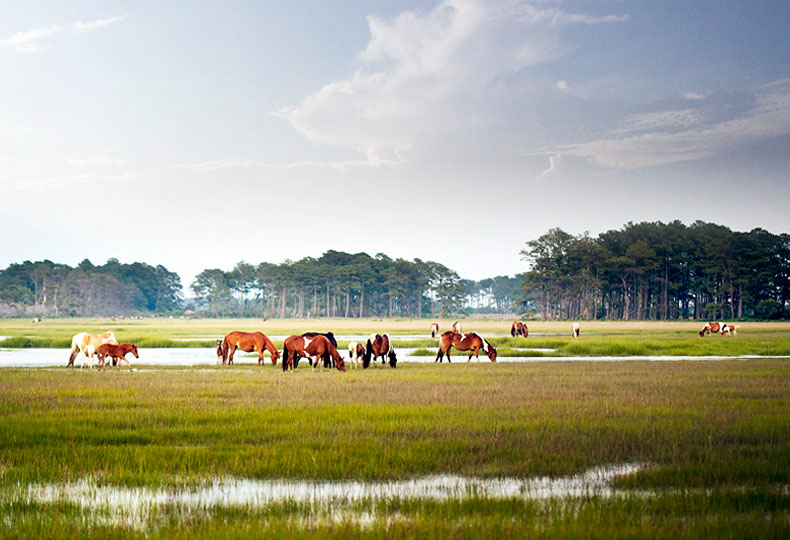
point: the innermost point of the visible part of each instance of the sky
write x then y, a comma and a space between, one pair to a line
198, 134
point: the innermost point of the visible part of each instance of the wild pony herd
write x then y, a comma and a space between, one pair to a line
320, 349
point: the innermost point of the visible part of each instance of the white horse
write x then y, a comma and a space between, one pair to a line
457, 327
81, 342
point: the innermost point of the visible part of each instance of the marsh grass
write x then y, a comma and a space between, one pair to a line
715, 436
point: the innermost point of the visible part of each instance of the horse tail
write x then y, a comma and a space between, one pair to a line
368, 353
225, 350
75, 350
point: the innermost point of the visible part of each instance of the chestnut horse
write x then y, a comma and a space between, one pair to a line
318, 346
356, 353
116, 352
248, 342
471, 342
80, 342
518, 328
434, 329
328, 335
378, 345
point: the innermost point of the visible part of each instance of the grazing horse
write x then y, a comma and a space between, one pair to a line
518, 328
712, 327
456, 327
575, 330
356, 353
116, 352
728, 329
328, 335
471, 342
80, 342
378, 345
434, 329
318, 346
248, 342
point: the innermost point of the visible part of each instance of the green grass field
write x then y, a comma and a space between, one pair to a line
712, 438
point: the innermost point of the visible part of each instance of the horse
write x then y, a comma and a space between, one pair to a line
219, 352
575, 330
728, 329
518, 328
118, 352
80, 342
434, 329
378, 345
471, 342
356, 351
714, 327
318, 346
456, 327
328, 335
248, 342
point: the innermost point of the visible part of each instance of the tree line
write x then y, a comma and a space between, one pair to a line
658, 271
340, 284
54, 289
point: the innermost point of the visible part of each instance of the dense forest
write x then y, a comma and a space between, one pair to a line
336, 284
659, 271
339, 284
52, 289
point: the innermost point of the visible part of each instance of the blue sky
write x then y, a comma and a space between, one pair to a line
198, 134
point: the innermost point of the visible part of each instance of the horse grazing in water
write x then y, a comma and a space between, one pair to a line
575, 330
248, 342
518, 328
356, 353
378, 345
434, 329
116, 352
318, 346
456, 327
80, 342
471, 342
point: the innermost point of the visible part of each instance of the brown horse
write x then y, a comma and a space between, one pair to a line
518, 328
219, 352
434, 329
81, 341
378, 345
356, 353
716, 327
116, 352
471, 342
317, 346
248, 342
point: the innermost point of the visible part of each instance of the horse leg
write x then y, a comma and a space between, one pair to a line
260, 357
232, 352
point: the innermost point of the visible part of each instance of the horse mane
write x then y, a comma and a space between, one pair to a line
486, 344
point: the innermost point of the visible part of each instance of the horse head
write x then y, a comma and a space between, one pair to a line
275, 356
340, 363
491, 353
393, 358
133, 350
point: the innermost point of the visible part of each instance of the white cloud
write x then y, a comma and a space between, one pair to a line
28, 41
96, 161
426, 75
80, 26
675, 136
